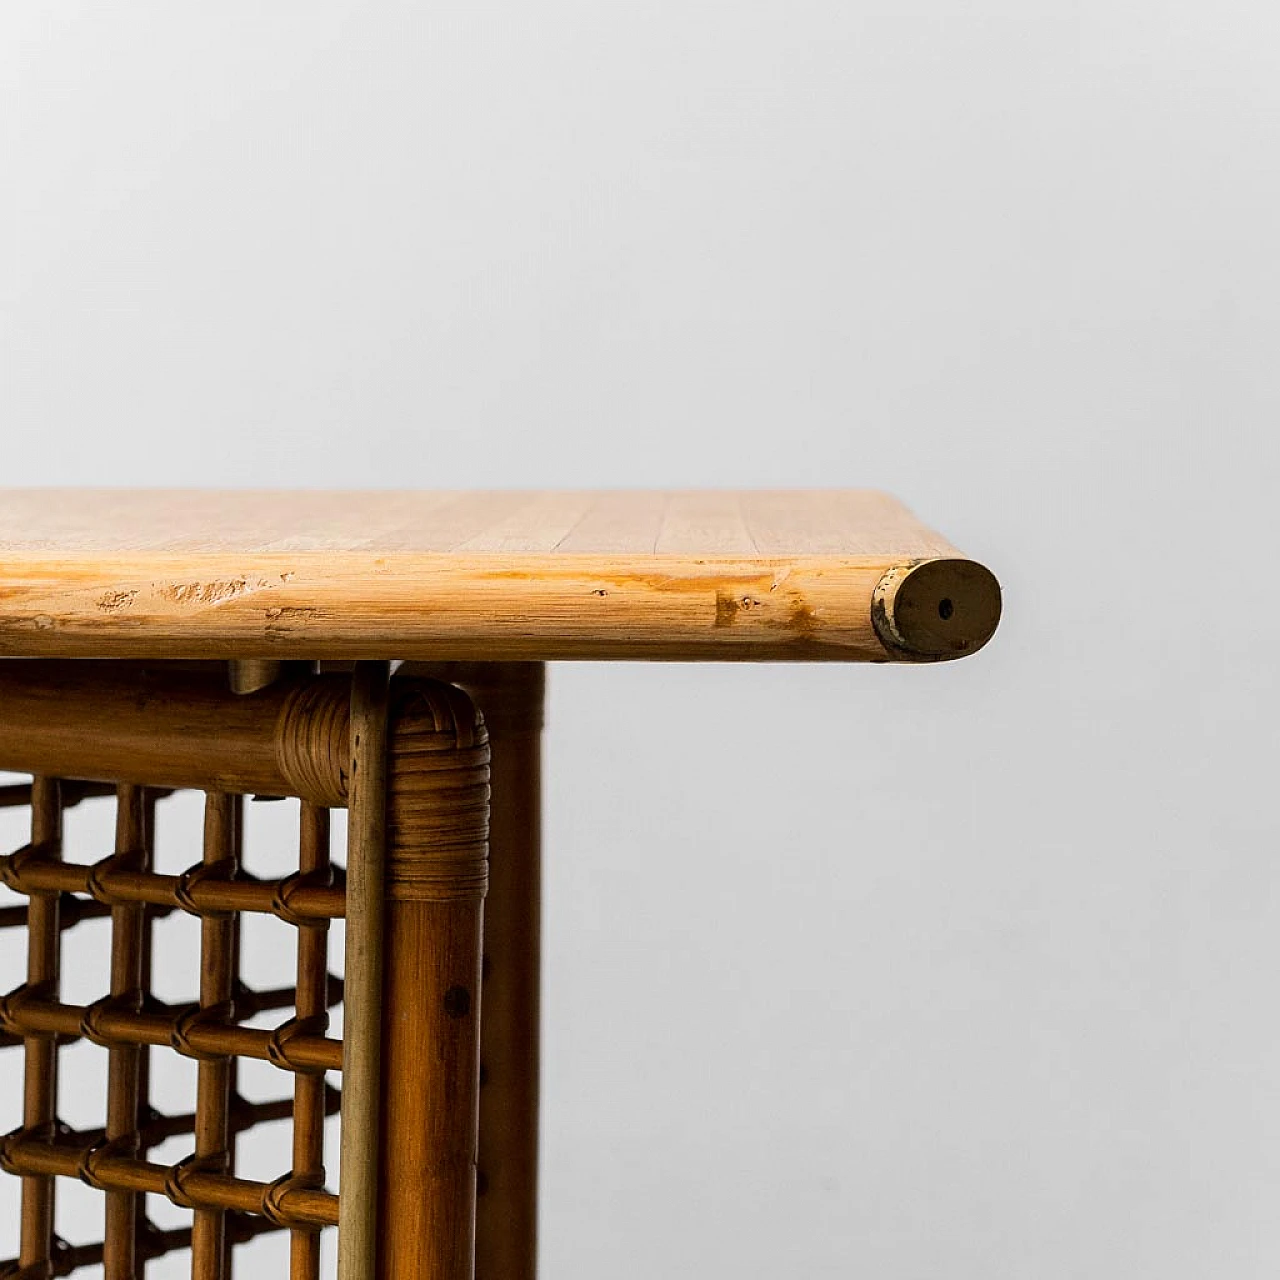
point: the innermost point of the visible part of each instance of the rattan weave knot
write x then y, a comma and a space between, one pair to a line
14, 1009
9, 1004
222, 872
286, 890
13, 867
177, 1175
200, 1017
272, 1205
14, 1140
93, 1017
278, 1043
88, 1169
99, 874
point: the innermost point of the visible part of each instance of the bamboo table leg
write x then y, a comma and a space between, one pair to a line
507, 1210
436, 875
510, 696
361, 1034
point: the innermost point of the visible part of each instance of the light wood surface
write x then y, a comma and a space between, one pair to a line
519, 575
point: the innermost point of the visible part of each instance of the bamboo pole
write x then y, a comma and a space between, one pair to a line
106, 721
124, 1064
510, 696
40, 1066
436, 878
367, 834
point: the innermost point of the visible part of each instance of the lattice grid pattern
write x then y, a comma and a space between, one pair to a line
128, 1021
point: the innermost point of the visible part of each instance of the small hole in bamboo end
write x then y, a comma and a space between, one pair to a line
935, 609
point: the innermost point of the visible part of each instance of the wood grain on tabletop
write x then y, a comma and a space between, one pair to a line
504, 574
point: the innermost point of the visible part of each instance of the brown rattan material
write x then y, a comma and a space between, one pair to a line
410, 758
129, 1023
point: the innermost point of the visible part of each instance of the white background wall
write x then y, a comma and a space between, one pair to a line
965, 972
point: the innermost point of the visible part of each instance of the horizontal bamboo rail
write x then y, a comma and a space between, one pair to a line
114, 722
187, 1187
293, 899
156, 1242
108, 1023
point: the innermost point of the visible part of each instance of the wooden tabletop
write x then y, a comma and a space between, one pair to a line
846, 575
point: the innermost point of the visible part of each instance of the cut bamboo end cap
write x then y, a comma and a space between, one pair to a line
936, 609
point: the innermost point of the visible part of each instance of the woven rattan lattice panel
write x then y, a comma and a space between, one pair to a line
408, 760
132, 1027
